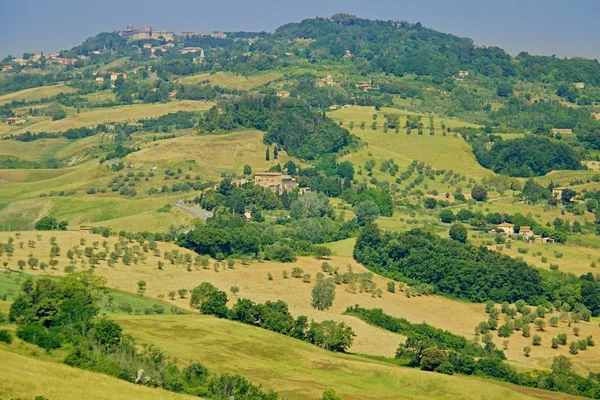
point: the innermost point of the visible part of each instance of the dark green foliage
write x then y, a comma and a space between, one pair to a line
287, 122
456, 269
458, 232
209, 300
381, 196
529, 156
275, 316
5, 336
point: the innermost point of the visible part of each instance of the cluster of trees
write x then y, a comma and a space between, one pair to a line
526, 157
49, 223
226, 235
54, 312
288, 122
274, 316
472, 273
380, 196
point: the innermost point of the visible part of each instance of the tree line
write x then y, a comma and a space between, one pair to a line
468, 272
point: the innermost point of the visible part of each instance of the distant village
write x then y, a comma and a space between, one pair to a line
167, 39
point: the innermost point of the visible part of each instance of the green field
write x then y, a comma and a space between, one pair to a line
232, 81
298, 370
441, 152
31, 377
37, 93
112, 114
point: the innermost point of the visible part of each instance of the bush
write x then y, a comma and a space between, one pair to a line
445, 368
37, 334
479, 193
5, 336
432, 358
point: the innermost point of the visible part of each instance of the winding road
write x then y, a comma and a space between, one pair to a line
194, 211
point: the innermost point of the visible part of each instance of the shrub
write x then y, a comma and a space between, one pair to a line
432, 358
5, 336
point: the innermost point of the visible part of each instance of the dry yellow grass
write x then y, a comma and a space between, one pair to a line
36, 93
232, 81
213, 154
114, 114
456, 316
26, 377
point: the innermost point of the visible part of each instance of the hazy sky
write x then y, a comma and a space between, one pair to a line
561, 27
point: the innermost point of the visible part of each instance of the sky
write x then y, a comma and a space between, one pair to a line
561, 27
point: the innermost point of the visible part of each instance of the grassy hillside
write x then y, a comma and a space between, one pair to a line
441, 152
298, 370
232, 81
211, 156
28, 377
112, 114
37, 93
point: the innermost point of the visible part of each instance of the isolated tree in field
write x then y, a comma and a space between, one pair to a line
234, 290
247, 170
479, 193
268, 155
321, 252
323, 294
526, 351
141, 288
458, 232
21, 264
32, 262
209, 300
391, 286
172, 295
540, 324
275, 152
537, 340
573, 348
182, 293
366, 212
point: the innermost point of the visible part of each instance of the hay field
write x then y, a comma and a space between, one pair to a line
298, 370
232, 81
211, 155
114, 114
36, 93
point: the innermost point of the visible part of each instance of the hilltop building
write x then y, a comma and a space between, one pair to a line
283, 93
146, 32
275, 181
580, 85
187, 50
7, 68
